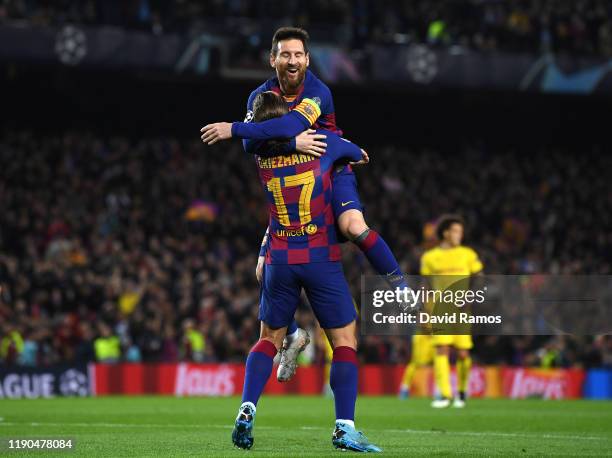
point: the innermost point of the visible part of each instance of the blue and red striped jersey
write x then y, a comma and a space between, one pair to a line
311, 89
298, 189
311, 107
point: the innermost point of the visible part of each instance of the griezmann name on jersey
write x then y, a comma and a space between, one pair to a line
298, 189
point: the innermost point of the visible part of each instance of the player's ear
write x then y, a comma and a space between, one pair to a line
272, 60
307, 59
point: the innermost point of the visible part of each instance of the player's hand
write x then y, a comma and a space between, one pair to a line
309, 142
364, 159
213, 133
259, 269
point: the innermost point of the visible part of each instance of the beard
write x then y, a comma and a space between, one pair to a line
291, 83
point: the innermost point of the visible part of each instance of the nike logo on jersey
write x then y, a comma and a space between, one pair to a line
344, 204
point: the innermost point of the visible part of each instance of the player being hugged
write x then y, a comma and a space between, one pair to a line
303, 254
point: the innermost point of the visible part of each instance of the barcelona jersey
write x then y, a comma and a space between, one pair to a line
313, 100
298, 189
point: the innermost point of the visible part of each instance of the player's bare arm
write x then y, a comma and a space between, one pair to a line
365, 159
216, 132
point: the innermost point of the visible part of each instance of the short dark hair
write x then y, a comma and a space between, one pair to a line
445, 222
289, 33
268, 105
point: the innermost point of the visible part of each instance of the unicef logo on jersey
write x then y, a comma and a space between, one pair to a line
74, 383
309, 229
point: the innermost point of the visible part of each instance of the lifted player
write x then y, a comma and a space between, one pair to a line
311, 105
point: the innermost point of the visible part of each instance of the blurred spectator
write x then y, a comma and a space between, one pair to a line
193, 342
551, 354
600, 354
107, 346
84, 351
29, 355
132, 352
581, 27
11, 346
170, 351
436, 33
151, 341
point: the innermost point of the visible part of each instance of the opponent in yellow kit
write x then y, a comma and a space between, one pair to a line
422, 354
444, 265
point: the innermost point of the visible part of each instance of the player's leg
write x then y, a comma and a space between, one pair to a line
407, 378
353, 226
295, 340
292, 329
279, 298
258, 370
442, 370
259, 362
420, 356
343, 382
410, 370
348, 213
332, 304
463, 343
343, 373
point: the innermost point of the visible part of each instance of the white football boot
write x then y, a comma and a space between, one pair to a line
289, 355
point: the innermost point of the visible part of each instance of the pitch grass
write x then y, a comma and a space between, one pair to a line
302, 426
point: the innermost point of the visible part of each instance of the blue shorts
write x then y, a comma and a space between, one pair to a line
325, 287
344, 196
344, 192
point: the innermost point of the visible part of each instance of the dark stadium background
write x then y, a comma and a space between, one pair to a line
78, 140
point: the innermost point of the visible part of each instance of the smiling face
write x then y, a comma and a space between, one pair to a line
290, 61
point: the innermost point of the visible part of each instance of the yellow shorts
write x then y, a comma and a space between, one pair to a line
422, 349
460, 342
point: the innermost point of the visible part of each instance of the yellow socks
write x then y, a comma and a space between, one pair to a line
408, 375
463, 373
442, 375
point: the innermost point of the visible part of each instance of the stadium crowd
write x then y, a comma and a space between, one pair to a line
112, 249
582, 26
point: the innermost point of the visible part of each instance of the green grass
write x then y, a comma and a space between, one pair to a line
302, 426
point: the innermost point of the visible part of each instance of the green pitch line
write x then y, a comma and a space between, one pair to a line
302, 426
